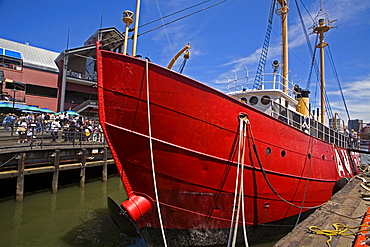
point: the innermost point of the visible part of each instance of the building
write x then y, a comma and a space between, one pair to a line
58, 81
28, 75
77, 72
355, 124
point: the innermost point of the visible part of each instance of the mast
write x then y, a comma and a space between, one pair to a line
283, 13
127, 19
136, 28
321, 25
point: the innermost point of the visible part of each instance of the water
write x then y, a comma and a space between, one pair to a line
74, 216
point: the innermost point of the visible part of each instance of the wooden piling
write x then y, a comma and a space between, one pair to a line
20, 179
54, 185
105, 172
83, 168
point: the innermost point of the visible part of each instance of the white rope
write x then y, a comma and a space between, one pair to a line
236, 186
152, 156
246, 121
240, 168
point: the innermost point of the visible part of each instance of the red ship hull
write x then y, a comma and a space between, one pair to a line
195, 140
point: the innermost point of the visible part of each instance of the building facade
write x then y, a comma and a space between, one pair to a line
77, 72
28, 75
58, 81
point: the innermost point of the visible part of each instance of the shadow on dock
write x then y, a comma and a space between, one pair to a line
346, 207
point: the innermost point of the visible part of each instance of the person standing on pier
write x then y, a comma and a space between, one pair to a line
9, 122
54, 128
22, 131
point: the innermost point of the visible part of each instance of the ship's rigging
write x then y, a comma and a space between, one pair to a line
322, 15
263, 56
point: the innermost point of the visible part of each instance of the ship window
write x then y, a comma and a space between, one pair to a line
253, 100
268, 151
265, 100
283, 153
244, 100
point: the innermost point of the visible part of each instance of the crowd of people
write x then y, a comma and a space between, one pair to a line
353, 138
69, 128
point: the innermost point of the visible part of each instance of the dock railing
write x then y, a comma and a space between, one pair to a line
11, 139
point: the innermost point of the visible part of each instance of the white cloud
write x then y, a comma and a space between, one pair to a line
356, 94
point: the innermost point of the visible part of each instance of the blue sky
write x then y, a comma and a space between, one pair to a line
224, 39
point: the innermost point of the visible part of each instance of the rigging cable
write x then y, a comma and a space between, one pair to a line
310, 148
182, 66
338, 81
262, 61
165, 29
312, 51
152, 155
174, 13
170, 22
313, 54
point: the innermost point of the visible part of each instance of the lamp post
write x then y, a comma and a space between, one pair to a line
14, 91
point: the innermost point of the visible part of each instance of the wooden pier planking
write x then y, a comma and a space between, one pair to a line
346, 207
45, 169
55, 167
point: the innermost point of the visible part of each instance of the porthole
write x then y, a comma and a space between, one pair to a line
253, 100
283, 153
244, 100
268, 151
265, 100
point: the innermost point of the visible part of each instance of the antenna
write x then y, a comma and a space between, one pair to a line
101, 22
68, 38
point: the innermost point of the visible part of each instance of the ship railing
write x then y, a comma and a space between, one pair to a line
274, 81
308, 125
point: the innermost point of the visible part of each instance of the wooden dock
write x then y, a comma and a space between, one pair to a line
347, 207
20, 161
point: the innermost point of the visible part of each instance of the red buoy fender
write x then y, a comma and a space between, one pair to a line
137, 206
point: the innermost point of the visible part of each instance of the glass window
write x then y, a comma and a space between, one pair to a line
41, 91
253, 100
265, 100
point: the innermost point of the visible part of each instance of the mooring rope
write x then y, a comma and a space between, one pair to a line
339, 230
265, 174
152, 156
240, 195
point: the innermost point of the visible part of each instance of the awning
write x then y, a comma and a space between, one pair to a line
10, 84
